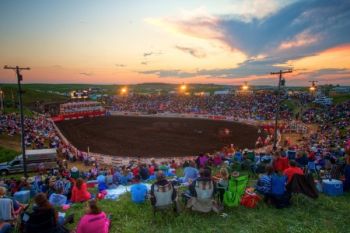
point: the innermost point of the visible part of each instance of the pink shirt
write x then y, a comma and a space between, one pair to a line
93, 223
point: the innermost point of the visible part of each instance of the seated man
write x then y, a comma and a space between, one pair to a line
202, 193
190, 173
292, 170
138, 191
163, 193
278, 196
7, 204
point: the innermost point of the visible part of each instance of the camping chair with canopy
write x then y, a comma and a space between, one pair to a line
204, 200
163, 198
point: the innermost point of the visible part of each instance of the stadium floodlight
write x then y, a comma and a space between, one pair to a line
313, 86
183, 87
124, 91
245, 86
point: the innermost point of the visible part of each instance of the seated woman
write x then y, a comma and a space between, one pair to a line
202, 193
79, 191
222, 183
125, 177
263, 186
44, 217
94, 221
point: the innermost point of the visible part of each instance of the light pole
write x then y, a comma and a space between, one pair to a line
245, 86
281, 82
313, 87
18, 69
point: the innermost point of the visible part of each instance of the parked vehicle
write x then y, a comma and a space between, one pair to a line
47, 157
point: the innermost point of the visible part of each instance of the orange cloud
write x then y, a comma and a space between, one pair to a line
302, 39
334, 58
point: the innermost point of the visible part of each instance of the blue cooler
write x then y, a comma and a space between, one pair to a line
332, 187
22, 196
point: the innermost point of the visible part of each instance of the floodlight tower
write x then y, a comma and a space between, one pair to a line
281, 82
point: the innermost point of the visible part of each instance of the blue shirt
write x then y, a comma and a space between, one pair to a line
138, 193
264, 184
190, 173
57, 199
278, 184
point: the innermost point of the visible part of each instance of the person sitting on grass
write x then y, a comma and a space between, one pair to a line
292, 170
263, 186
280, 163
45, 218
138, 191
94, 221
143, 172
162, 192
279, 197
190, 173
222, 183
80, 192
202, 193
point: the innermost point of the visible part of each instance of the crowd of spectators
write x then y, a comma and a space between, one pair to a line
259, 106
39, 131
324, 152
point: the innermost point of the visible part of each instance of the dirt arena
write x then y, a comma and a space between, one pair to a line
154, 136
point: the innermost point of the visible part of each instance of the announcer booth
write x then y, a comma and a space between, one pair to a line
76, 110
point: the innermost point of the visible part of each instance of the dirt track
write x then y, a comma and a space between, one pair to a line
155, 137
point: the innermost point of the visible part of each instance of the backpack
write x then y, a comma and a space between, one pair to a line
250, 199
236, 188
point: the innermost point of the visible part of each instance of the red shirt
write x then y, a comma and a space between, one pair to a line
281, 164
291, 171
80, 195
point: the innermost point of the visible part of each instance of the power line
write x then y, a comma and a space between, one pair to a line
18, 70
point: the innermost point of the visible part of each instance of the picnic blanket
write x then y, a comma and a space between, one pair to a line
113, 194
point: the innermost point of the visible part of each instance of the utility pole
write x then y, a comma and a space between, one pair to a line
18, 70
281, 82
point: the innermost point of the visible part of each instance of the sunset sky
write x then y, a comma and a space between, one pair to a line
175, 41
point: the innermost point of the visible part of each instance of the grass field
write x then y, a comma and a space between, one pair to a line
30, 97
7, 154
326, 214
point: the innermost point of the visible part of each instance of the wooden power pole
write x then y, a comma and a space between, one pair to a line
281, 82
18, 70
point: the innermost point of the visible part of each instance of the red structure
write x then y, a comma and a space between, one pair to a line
76, 110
